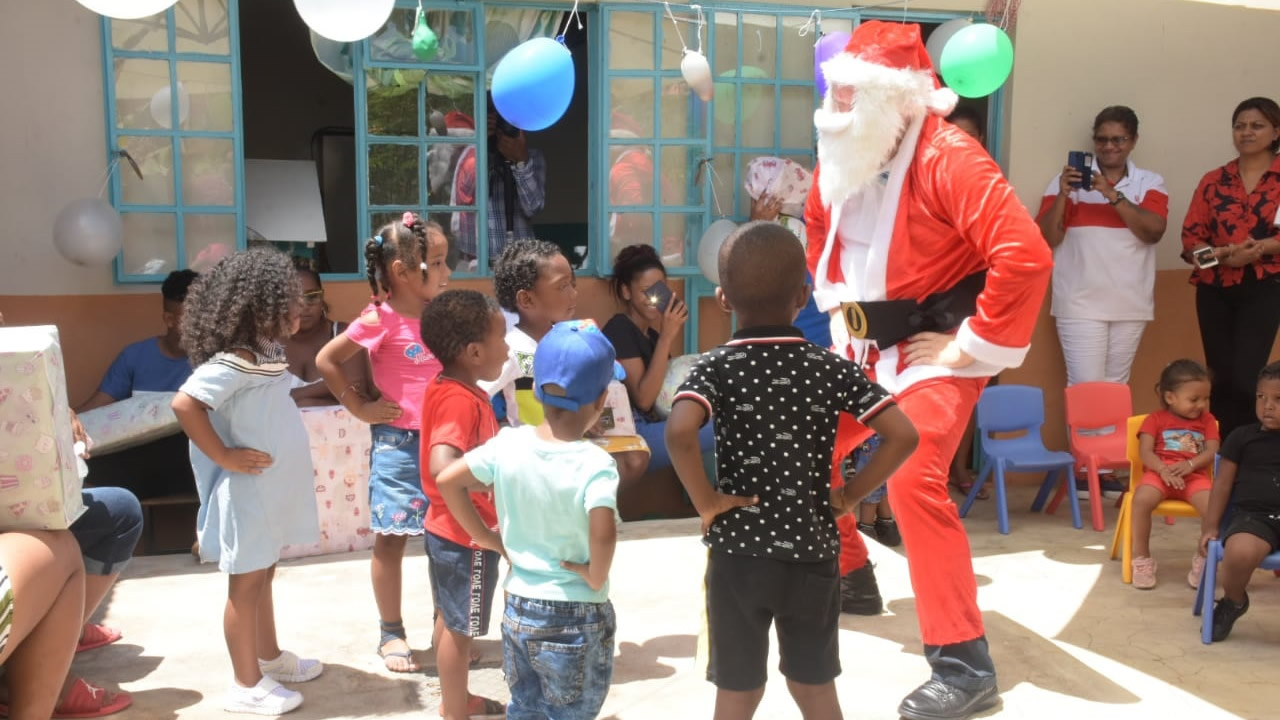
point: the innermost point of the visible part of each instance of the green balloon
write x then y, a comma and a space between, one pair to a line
751, 94
976, 60
425, 42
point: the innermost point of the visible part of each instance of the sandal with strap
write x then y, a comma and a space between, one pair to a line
390, 633
482, 707
95, 636
85, 701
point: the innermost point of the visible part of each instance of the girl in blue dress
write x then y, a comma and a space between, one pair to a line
251, 458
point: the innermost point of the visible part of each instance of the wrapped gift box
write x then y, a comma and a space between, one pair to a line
677, 371
340, 455
617, 418
39, 481
135, 421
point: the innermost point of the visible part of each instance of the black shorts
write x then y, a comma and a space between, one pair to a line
1263, 525
746, 594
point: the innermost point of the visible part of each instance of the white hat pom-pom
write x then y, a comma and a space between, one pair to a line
942, 101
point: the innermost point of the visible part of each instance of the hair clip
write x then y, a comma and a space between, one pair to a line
409, 219
377, 240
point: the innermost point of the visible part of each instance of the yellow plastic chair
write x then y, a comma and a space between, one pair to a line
1123, 541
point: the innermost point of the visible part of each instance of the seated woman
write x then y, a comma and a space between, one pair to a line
41, 601
643, 336
314, 330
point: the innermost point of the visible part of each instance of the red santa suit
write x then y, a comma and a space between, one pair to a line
942, 213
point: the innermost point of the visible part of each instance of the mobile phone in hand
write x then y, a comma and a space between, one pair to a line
660, 296
1204, 258
1083, 162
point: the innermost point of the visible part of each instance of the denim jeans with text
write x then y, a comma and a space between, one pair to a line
558, 657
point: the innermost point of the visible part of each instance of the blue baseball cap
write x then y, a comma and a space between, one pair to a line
573, 365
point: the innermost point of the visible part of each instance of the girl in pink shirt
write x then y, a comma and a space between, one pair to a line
406, 264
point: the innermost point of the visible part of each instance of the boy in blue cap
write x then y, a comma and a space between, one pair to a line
557, 525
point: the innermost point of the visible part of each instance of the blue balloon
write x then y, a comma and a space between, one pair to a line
533, 84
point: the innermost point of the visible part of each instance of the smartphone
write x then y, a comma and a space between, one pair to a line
1204, 257
660, 296
1082, 161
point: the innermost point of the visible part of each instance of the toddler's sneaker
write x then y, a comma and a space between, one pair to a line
1197, 571
268, 697
289, 668
1144, 573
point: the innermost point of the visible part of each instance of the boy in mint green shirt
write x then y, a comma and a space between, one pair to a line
556, 495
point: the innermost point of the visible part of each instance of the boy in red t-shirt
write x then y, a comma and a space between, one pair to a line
1177, 446
466, 331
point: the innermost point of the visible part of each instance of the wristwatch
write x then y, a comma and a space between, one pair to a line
1119, 198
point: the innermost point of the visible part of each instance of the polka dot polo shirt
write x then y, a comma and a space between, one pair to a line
776, 399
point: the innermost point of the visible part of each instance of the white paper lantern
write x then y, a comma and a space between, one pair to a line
939, 37
128, 9
345, 20
697, 72
88, 232
709, 248
162, 106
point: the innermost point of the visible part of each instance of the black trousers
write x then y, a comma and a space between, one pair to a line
1238, 329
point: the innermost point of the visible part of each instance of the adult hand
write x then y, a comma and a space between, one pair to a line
514, 149
1069, 175
929, 348
766, 208
378, 412
722, 503
1205, 539
79, 435
1247, 252
245, 461
674, 318
1104, 186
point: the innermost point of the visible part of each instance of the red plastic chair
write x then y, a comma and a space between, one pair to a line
1096, 406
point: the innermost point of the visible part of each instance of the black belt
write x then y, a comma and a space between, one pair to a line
889, 322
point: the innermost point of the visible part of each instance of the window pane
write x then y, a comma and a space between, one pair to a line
797, 52
394, 43
450, 99
629, 229
451, 174
209, 88
631, 175
678, 114
142, 94
201, 26
726, 190
680, 236
671, 51
679, 172
630, 41
208, 239
393, 175
759, 43
726, 44
460, 229
758, 122
150, 243
392, 109
208, 172
144, 34
154, 156
724, 108
797, 117
631, 103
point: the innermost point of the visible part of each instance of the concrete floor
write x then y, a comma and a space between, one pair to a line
1069, 639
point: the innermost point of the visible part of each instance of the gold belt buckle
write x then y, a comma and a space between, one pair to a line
855, 319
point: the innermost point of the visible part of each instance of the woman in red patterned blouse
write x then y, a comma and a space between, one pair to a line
1234, 211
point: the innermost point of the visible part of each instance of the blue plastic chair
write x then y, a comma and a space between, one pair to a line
1013, 408
1209, 580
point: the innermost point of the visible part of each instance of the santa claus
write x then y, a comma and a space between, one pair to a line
933, 274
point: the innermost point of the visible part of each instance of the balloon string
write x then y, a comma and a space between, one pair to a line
701, 23
715, 178
814, 25
573, 15
676, 25
106, 175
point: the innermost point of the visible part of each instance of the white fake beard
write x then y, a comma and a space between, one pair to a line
854, 146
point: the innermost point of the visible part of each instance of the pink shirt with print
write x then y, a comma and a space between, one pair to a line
402, 365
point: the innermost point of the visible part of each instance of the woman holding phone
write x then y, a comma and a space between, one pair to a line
1230, 237
1103, 219
642, 335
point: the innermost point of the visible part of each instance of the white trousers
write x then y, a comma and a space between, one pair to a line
1099, 350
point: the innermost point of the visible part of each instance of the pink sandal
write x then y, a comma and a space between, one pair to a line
86, 701
95, 636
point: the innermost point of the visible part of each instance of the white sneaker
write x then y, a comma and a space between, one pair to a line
268, 697
289, 668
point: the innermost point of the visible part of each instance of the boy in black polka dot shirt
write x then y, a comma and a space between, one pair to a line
770, 523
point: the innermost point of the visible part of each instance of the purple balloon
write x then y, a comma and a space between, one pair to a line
829, 45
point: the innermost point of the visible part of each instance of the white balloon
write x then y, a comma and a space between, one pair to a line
345, 20
940, 35
127, 9
709, 248
88, 232
697, 72
162, 106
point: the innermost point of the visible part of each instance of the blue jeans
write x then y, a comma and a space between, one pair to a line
108, 530
558, 657
655, 434
397, 505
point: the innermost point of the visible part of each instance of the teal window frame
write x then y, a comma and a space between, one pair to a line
175, 134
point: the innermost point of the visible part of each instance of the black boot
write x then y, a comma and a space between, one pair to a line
1225, 614
936, 700
859, 592
887, 532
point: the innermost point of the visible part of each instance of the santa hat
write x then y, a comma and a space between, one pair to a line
889, 56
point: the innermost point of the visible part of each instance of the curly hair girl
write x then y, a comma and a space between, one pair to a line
246, 299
